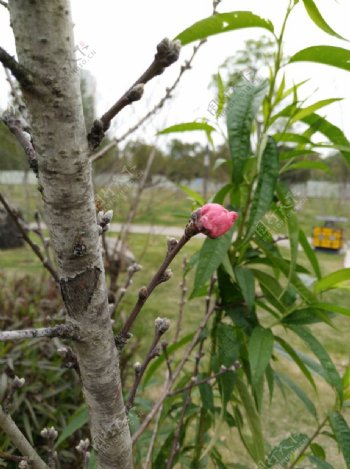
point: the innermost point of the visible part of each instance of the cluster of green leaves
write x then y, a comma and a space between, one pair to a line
264, 297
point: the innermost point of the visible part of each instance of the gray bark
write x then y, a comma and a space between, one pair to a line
44, 43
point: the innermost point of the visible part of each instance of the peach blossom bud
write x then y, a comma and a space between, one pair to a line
213, 220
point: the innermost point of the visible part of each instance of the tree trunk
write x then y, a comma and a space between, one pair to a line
45, 46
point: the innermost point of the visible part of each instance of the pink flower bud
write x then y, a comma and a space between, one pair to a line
213, 220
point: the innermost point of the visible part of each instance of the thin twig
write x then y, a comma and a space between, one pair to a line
45, 241
61, 330
46, 263
204, 380
23, 76
161, 276
168, 94
153, 440
144, 425
182, 302
306, 446
167, 359
161, 326
4, 4
167, 53
20, 441
131, 271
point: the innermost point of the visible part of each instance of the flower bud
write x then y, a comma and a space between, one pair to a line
213, 220
162, 325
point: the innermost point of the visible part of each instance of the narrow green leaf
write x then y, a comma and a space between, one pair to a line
298, 391
221, 96
187, 127
341, 432
319, 463
254, 422
267, 180
219, 197
259, 352
211, 255
246, 282
77, 420
290, 137
318, 19
297, 360
306, 111
327, 55
329, 130
334, 308
193, 194
92, 460
331, 373
241, 110
332, 280
318, 165
280, 455
221, 23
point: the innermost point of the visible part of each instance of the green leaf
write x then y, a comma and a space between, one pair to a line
327, 55
241, 111
298, 391
92, 460
211, 255
332, 280
245, 280
271, 289
342, 434
332, 132
281, 454
77, 420
334, 308
221, 96
219, 197
331, 373
267, 180
260, 348
221, 23
187, 127
207, 396
318, 165
254, 422
306, 111
318, 19
320, 463
290, 137
297, 360
193, 194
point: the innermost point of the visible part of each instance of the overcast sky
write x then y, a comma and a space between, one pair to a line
123, 36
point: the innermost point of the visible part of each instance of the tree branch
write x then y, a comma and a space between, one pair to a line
23, 76
46, 263
64, 331
19, 440
161, 276
170, 382
167, 53
161, 326
14, 125
168, 94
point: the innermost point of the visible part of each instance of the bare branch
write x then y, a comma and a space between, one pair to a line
46, 263
16, 383
182, 303
167, 53
15, 127
132, 269
168, 94
161, 326
64, 331
161, 276
20, 441
170, 382
4, 4
23, 76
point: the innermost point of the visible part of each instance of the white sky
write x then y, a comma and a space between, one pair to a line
124, 34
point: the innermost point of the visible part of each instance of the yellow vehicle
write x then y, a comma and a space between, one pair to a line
329, 236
